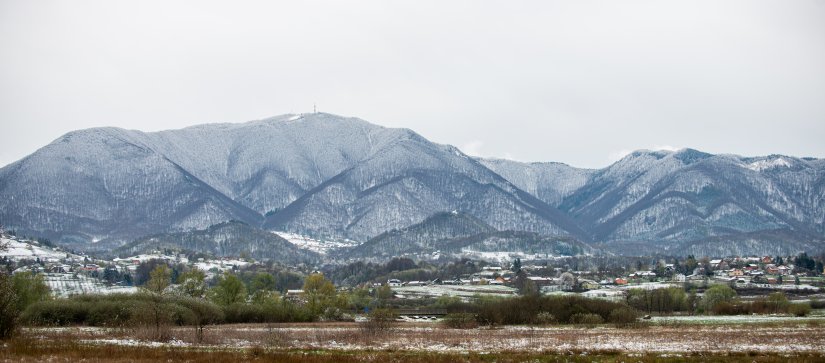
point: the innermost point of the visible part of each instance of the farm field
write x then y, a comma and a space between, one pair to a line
785, 340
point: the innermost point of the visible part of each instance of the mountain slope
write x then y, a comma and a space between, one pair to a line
323, 175
420, 238
107, 183
320, 174
405, 182
550, 182
676, 197
229, 239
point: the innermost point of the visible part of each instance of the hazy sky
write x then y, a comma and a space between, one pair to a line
581, 82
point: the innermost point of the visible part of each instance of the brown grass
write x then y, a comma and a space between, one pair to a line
346, 342
29, 350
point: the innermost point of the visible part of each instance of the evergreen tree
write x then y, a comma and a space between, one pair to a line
517, 265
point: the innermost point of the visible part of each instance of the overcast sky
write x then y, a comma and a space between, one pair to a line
580, 82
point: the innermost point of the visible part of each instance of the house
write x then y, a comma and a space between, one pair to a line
549, 289
589, 285
620, 281
696, 277
767, 260
89, 267
394, 282
608, 294
736, 272
771, 269
643, 274
783, 270
541, 281
417, 283
679, 278
295, 296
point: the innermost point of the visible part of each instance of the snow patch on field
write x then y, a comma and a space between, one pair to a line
64, 285
731, 319
464, 291
18, 250
137, 343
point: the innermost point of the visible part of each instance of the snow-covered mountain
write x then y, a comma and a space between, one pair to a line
550, 182
318, 174
673, 198
332, 177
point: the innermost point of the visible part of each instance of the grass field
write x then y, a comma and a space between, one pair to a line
802, 341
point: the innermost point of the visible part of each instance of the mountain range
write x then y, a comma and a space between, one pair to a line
334, 177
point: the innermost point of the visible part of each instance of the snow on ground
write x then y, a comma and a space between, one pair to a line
220, 265
732, 319
720, 338
767, 164
136, 343
65, 285
30, 250
464, 291
152, 256
319, 246
503, 256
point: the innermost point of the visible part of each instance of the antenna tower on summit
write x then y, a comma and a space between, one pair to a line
314, 109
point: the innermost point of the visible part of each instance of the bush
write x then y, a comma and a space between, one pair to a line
9, 313
109, 313
56, 313
623, 317
460, 321
728, 308
586, 319
717, 294
525, 309
245, 313
378, 320
799, 309
545, 318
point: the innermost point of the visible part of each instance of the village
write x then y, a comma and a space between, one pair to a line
68, 274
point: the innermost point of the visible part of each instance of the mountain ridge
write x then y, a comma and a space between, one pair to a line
343, 177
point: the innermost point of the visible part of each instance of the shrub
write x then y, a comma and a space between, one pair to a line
717, 294
623, 317
109, 313
460, 321
245, 313
545, 318
55, 312
799, 309
728, 308
202, 313
586, 319
525, 309
378, 320
9, 313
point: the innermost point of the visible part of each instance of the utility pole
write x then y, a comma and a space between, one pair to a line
314, 109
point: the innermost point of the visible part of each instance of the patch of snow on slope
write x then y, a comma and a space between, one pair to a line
768, 164
18, 250
314, 245
68, 284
